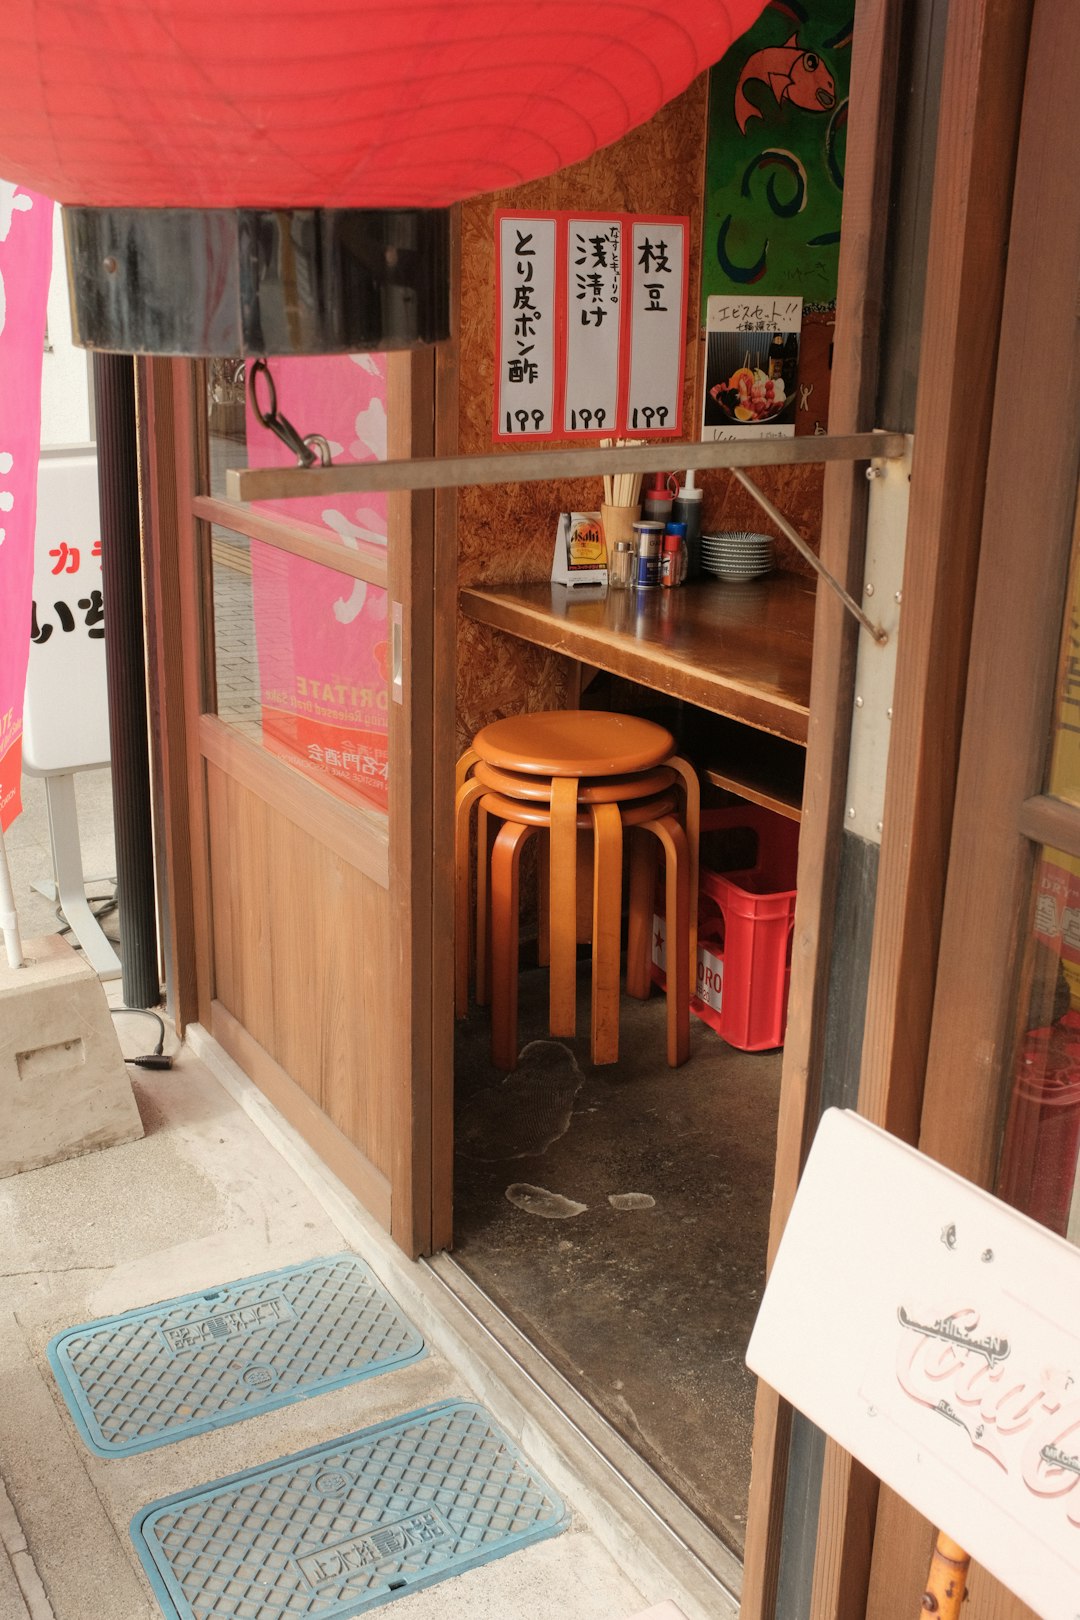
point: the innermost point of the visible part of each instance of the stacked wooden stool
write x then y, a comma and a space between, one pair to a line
565, 774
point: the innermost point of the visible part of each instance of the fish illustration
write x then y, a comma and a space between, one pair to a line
792, 74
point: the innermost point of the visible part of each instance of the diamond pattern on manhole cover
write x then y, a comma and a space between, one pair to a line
268, 1543
167, 1371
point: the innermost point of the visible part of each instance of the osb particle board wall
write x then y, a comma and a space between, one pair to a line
505, 534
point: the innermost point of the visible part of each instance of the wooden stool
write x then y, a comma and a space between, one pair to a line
560, 748
606, 820
516, 785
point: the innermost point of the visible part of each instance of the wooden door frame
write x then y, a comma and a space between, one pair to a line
177, 589
1028, 531
854, 391
981, 94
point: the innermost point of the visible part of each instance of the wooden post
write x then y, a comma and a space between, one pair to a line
946, 1584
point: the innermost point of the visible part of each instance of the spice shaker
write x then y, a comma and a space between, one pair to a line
622, 566
673, 562
648, 537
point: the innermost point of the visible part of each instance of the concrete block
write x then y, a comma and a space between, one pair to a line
64, 1089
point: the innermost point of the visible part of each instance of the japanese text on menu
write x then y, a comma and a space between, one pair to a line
594, 282
526, 387
591, 325
657, 325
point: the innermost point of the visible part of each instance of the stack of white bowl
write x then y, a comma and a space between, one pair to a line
736, 556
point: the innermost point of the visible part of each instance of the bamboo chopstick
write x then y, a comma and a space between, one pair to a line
625, 489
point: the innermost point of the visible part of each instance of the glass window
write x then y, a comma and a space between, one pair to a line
342, 397
1041, 1150
300, 658
1064, 776
1041, 1153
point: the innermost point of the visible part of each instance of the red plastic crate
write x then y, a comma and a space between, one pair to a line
746, 918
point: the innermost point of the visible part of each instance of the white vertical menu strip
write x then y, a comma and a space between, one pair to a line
594, 300
526, 394
657, 286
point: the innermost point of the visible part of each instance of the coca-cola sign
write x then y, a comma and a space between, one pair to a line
935, 1334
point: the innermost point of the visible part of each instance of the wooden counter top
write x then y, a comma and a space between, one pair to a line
738, 650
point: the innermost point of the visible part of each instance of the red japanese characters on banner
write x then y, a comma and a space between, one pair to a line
25, 262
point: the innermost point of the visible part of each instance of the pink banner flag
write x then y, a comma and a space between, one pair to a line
25, 262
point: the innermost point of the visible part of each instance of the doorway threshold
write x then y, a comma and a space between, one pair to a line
653, 1496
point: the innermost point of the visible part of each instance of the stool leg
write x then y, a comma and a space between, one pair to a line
505, 893
464, 766
677, 884
543, 883
644, 859
562, 978
483, 909
606, 930
467, 795
692, 807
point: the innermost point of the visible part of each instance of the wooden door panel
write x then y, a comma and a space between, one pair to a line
296, 933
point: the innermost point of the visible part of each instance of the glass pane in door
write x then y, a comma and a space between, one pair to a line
1041, 1149
1041, 1152
341, 398
300, 660
1064, 773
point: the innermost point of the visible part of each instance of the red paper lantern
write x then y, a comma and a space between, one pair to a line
265, 107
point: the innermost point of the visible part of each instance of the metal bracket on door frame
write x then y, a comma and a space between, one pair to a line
880, 635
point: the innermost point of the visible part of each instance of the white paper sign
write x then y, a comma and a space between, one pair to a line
935, 1334
594, 280
751, 367
526, 358
66, 718
657, 325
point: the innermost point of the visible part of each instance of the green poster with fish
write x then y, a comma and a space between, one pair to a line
778, 104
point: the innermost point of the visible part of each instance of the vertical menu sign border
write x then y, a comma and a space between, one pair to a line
658, 270
528, 358
546, 299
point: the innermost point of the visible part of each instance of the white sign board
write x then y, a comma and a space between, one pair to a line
526, 328
657, 325
594, 279
66, 720
935, 1334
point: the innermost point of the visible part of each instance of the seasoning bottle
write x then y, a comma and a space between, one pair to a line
686, 508
656, 500
673, 563
622, 566
648, 537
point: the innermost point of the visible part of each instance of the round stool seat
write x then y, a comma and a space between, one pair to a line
574, 742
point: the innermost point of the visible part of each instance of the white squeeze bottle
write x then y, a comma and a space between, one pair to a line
686, 508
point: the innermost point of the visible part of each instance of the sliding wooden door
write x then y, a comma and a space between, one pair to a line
309, 697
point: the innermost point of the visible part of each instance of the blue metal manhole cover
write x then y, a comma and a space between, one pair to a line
346, 1526
160, 1374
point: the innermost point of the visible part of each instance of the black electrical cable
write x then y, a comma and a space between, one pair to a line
158, 1058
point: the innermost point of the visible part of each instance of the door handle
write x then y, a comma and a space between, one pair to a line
397, 658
